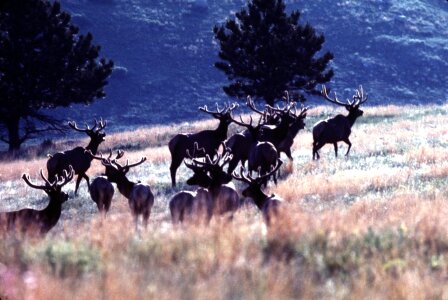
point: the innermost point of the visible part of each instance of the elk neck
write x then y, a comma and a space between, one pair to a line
351, 117
93, 146
259, 198
125, 186
53, 209
221, 130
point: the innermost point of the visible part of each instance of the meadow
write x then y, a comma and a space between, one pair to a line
373, 225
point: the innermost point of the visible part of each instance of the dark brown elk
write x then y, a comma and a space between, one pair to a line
210, 174
268, 205
296, 123
102, 192
207, 139
32, 221
280, 126
140, 196
262, 155
338, 128
77, 157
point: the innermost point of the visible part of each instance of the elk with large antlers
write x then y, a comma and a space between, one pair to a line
268, 205
77, 157
210, 174
261, 155
32, 221
338, 128
140, 196
207, 139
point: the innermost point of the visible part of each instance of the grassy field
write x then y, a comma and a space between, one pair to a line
371, 226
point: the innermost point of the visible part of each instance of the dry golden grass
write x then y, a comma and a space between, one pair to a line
371, 226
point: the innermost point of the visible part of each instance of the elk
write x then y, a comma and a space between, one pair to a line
210, 174
77, 157
268, 205
140, 197
207, 139
194, 206
261, 155
190, 206
101, 189
102, 192
297, 123
338, 128
32, 221
288, 124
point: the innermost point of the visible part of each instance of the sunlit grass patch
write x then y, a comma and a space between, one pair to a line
371, 225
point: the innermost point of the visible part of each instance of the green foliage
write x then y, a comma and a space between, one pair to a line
65, 258
44, 63
265, 52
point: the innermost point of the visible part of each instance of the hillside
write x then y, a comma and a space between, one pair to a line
165, 52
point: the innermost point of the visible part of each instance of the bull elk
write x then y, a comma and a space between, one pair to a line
338, 128
39, 222
77, 157
268, 205
207, 139
140, 196
210, 174
261, 155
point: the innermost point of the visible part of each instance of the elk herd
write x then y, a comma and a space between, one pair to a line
251, 156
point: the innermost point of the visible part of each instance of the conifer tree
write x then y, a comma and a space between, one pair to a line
264, 51
44, 63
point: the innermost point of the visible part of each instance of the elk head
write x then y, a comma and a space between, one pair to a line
351, 105
95, 133
224, 115
53, 189
254, 189
210, 171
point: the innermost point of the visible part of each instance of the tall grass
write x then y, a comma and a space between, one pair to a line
373, 225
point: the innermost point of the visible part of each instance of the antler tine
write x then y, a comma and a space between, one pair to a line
73, 125
274, 169
101, 124
218, 110
251, 104
335, 100
359, 95
120, 154
26, 178
47, 182
241, 176
65, 178
128, 166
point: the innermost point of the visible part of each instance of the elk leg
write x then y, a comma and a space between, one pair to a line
175, 163
335, 149
316, 148
146, 215
347, 141
78, 181
232, 164
288, 154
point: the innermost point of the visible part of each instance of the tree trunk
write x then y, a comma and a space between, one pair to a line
13, 134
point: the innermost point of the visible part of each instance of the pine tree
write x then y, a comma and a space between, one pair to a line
264, 52
44, 63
